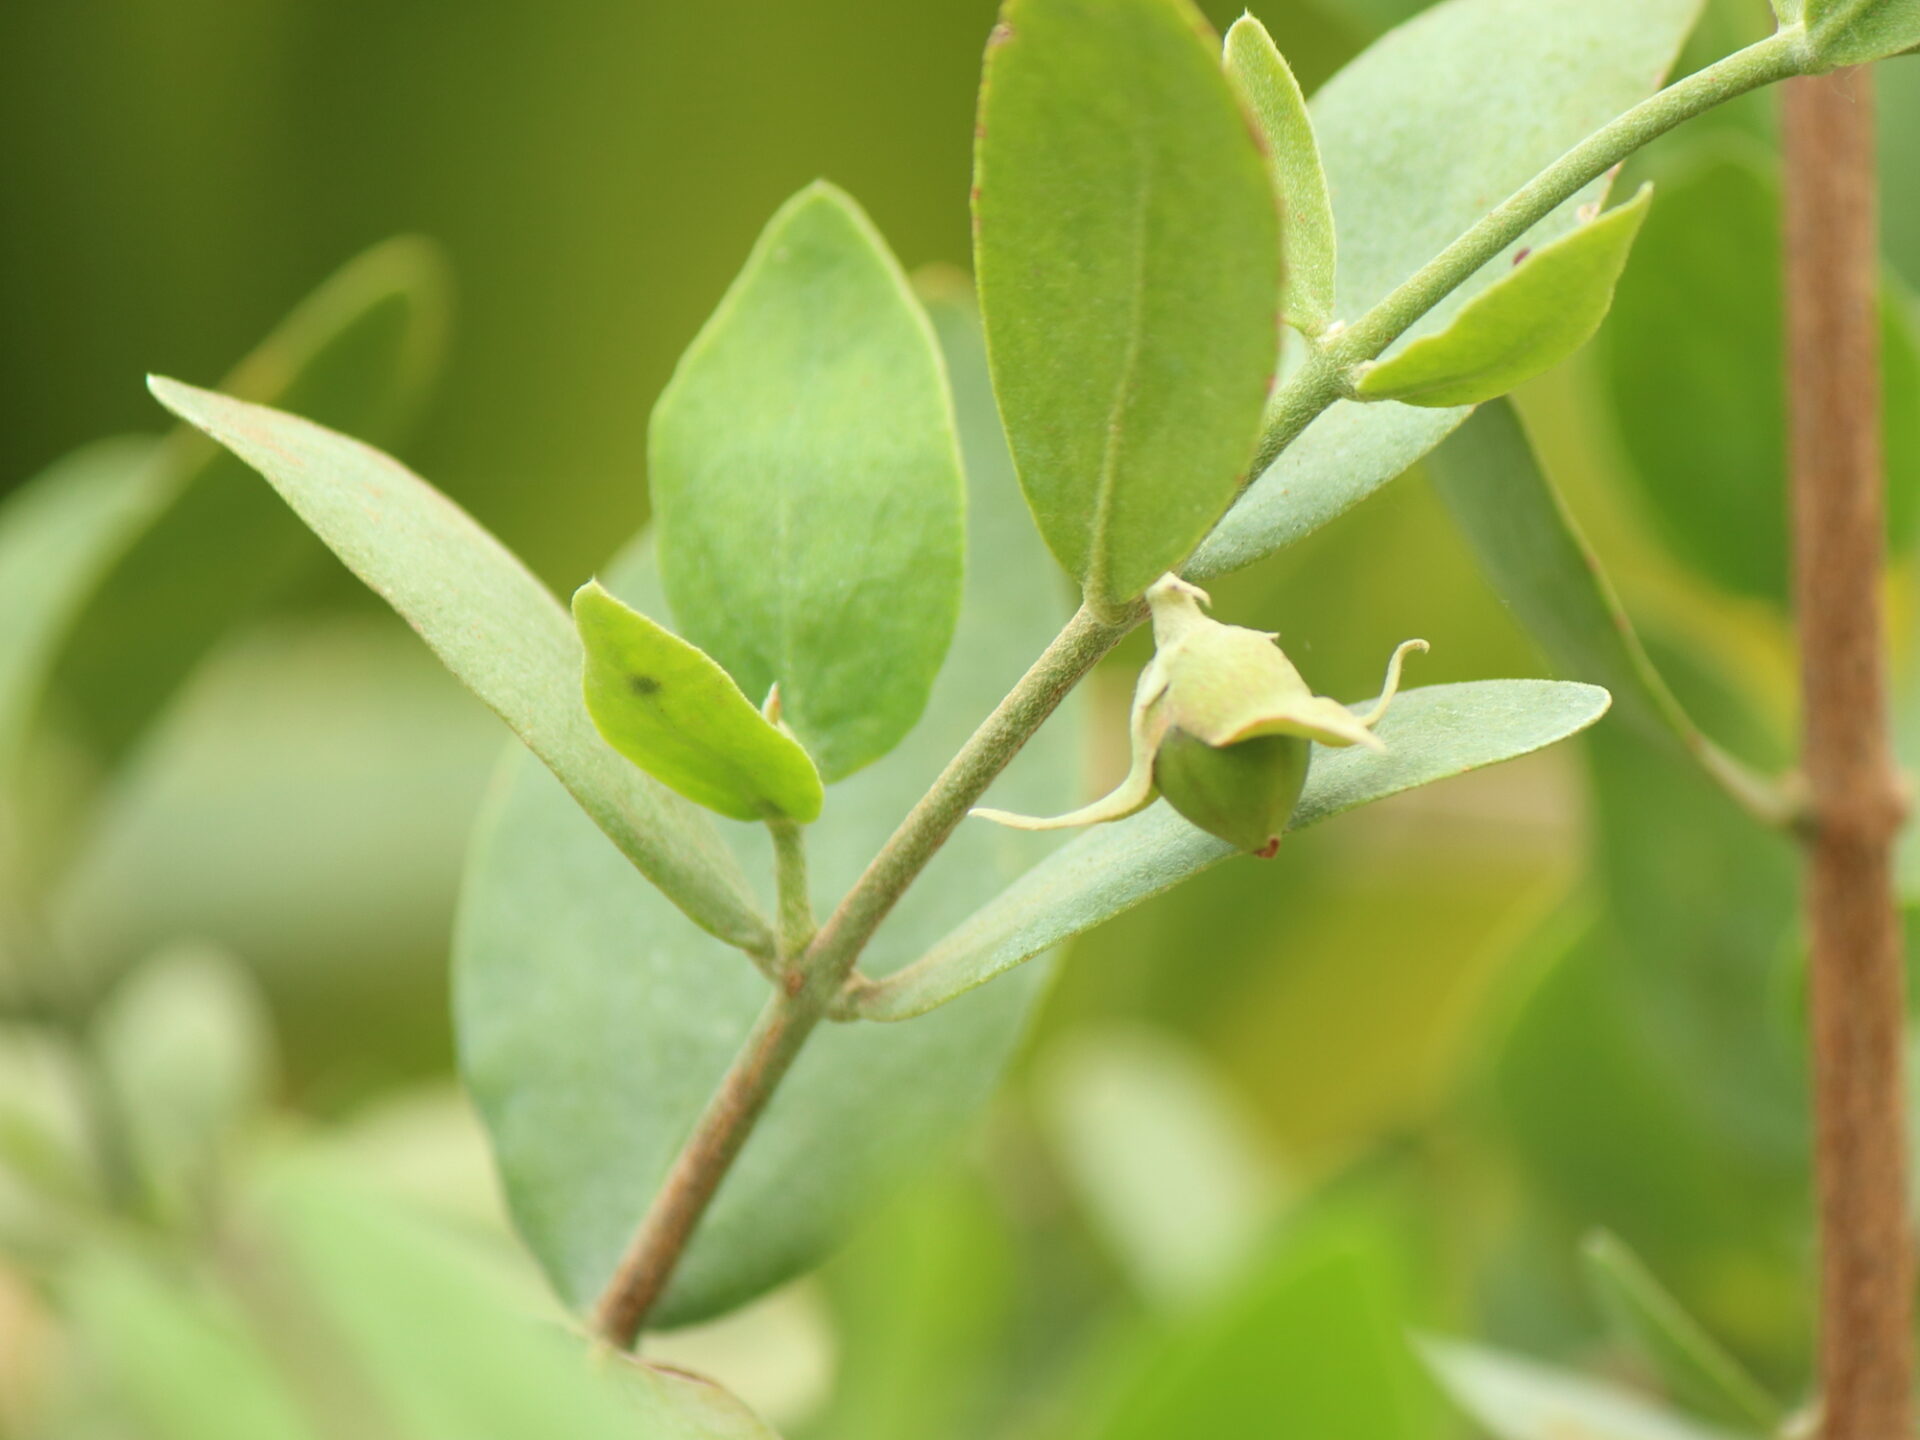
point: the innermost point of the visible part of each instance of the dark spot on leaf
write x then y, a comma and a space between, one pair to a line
1521, 254
1268, 850
1002, 33
643, 685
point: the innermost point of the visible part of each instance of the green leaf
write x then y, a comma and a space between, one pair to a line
1419, 135
187, 1045
1856, 32
357, 355
1430, 734
669, 708
1694, 362
1311, 1342
1532, 553
807, 488
492, 624
178, 1358
593, 1024
58, 532
1128, 247
442, 1340
1306, 235
1521, 1400
1697, 1371
1526, 323
1164, 1156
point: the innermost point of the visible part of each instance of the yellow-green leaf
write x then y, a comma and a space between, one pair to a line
1525, 323
807, 487
668, 706
1268, 86
1127, 243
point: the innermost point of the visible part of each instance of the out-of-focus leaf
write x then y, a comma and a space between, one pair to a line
447, 1348
1306, 230
357, 354
50, 1180
178, 1361
1128, 247
1519, 1400
807, 488
1431, 734
1650, 1081
188, 1048
493, 624
1697, 1371
668, 707
922, 1299
1419, 135
1856, 32
57, 533
305, 804
593, 1025
1532, 552
1164, 1158
1694, 362
1522, 325
1313, 1343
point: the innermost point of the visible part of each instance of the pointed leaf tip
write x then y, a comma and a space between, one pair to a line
672, 710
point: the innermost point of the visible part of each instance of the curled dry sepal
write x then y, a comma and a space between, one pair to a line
1223, 727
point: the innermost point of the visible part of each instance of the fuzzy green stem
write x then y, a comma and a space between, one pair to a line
795, 906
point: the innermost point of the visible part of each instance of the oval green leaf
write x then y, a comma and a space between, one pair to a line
669, 707
593, 1023
1856, 32
1525, 324
807, 488
1273, 95
1431, 734
492, 624
1128, 247
1419, 135
357, 355
1696, 1369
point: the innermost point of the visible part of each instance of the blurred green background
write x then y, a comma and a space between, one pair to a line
1423, 1052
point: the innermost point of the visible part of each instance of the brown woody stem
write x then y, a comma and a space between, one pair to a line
1854, 802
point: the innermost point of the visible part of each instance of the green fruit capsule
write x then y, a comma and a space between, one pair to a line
1244, 793
1223, 726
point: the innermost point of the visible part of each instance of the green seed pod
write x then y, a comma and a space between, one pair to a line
1223, 726
1244, 793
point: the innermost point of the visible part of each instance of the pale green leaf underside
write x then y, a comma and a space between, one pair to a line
1524, 324
593, 1022
1273, 95
1519, 1399
357, 354
1127, 243
1431, 734
671, 710
1694, 1368
807, 488
496, 627
1854, 32
1419, 135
